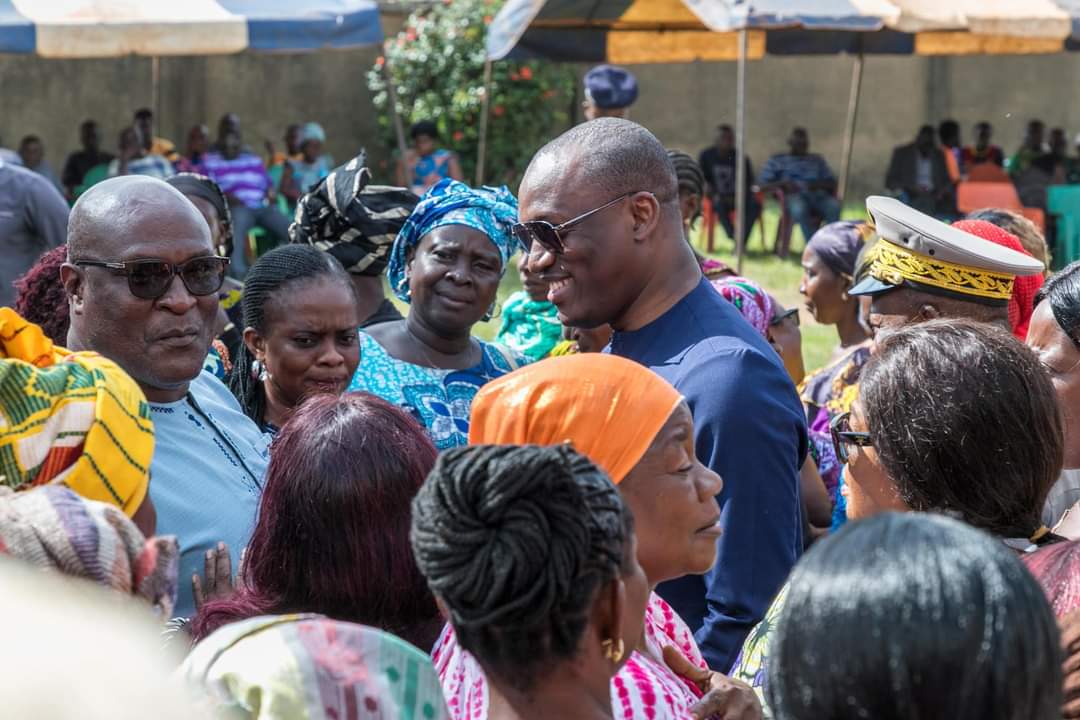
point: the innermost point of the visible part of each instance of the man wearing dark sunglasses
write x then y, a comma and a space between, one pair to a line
142, 280
600, 218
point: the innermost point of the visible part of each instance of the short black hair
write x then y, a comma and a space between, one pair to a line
909, 615
516, 541
1062, 291
424, 128
619, 156
965, 420
144, 113
949, 130
29, 139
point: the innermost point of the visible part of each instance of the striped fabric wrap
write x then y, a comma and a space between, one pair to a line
74, 419
53, 527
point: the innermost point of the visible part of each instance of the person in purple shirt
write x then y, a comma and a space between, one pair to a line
619, 258
243, 178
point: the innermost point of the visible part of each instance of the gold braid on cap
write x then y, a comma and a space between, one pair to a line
893, 264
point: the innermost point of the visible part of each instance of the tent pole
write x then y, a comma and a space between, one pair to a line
485, 103
155, 88
399, 127
740, 155
849, 126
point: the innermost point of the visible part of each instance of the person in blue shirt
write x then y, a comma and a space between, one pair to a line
142, 280
599, 209
808, 184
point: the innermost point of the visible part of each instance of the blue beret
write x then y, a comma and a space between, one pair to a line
611, 87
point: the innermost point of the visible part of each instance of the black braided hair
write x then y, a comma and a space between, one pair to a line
516, 541
265, 282
688, 172
204, 187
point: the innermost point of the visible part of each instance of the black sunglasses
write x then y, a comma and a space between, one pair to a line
793, 313
550, 236
842, 434
150, 279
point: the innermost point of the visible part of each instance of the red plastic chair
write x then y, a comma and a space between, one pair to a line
708, 214
988, 172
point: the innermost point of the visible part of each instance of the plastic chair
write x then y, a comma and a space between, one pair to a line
708, 215
782, 243
972, 196
988, 172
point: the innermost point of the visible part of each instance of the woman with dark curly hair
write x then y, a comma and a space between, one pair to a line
40, 297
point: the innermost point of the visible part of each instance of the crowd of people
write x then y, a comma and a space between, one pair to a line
636, 502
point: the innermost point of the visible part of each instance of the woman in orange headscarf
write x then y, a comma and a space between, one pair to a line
634, 425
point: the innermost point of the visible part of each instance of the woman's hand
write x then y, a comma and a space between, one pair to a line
218, 583
1070, 644
725, 698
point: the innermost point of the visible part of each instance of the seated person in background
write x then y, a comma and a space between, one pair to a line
309, 667
153, 310
808, 183
304, 173
609, 92
198, 143
40, 297
55, 528
300, 319
949, 136
982, 151
133, 159
351, 560
1032, 167
718, 165
242, 177
948, 608
291, 151
88, 427
530, 322
32, 153
154, 145
919, 174
79, 163
1056, 159
356, 224
561, 522
446, 263
1031, 150
426, 164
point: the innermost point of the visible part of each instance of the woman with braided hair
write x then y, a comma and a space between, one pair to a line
636, 427
691, 194
530, 550
300, 320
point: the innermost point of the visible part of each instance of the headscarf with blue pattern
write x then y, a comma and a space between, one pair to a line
490, 210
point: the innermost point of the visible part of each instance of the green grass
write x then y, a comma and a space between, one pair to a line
779, 276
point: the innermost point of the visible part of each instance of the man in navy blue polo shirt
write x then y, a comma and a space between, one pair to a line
626, 264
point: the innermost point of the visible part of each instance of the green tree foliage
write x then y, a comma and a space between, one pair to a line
437, 66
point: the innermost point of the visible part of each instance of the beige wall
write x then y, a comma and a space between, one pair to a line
681, 103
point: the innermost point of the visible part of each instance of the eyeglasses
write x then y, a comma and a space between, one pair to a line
793, 313
150, 279
842, 435
550, 236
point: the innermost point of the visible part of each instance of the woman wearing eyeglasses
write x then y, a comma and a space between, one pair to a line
953, 417
446, 263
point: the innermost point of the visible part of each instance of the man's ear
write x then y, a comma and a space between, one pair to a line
646, 214
72, 279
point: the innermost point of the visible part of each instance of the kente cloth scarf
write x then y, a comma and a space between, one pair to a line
530, 327
351, 219
53, 527
752, 302
75, 419
308, 667
608, 407
490, 210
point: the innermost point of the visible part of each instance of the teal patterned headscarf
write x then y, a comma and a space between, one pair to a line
490, 210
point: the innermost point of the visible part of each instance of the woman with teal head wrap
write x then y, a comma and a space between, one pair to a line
446, 263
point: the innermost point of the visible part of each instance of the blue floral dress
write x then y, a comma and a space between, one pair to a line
441, 400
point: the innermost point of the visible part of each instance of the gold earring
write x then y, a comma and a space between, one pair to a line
612, 651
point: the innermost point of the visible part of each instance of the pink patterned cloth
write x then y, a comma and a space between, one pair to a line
644, 689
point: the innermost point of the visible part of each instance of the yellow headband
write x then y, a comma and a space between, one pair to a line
893, 264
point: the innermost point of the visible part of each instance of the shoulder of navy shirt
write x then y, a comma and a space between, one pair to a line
750, 428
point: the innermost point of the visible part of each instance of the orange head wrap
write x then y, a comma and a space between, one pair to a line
608, 407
